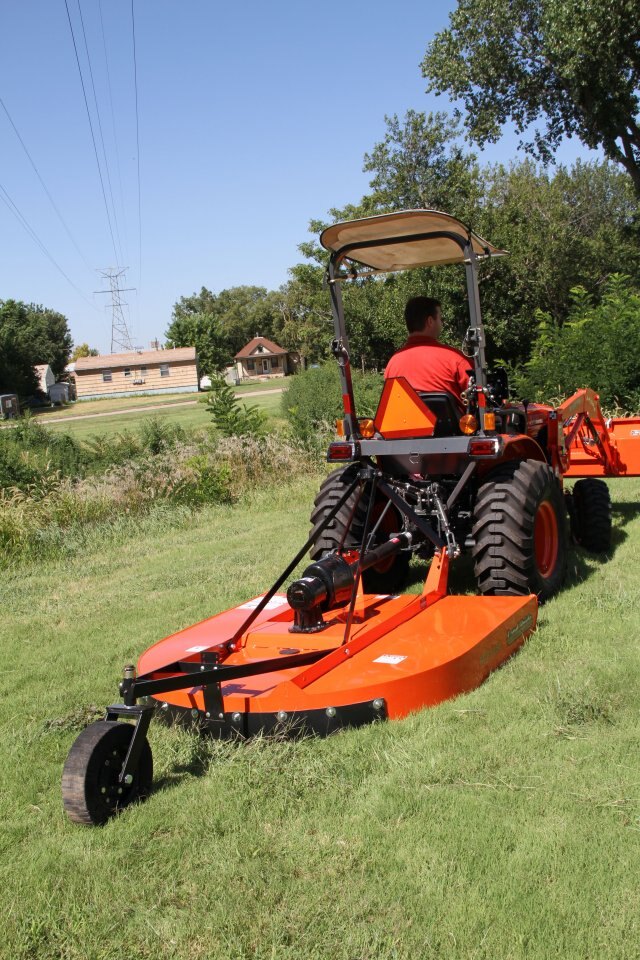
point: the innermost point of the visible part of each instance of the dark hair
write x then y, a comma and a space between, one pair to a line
417, 310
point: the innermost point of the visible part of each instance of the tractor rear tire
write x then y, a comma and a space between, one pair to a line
591, 515
520, 532
390, 575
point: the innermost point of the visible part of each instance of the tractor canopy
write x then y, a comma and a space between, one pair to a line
405, 240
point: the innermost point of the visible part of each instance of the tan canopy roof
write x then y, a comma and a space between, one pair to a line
404, 255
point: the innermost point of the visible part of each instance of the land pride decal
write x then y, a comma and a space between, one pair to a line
521, 627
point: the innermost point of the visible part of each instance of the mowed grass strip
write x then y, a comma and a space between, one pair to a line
190, 415
504, 824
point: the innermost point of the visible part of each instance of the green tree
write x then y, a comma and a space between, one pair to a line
219, 325
31, 334
83, 350
553, 68
597, 346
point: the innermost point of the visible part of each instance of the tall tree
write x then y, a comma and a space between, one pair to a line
572, 66
31, 334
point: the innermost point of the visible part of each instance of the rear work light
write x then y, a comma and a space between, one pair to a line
484, 447
342, 451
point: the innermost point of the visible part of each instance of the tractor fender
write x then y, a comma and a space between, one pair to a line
518, 447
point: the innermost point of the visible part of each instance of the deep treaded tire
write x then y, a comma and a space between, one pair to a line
91, 793
390, 575
591, 515
520, 531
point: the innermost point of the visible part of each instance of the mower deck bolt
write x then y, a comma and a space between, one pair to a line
282, 715
194, 713
378, 703
236, 717
128, 780
165, 706
208, 715
330, 711
221, 716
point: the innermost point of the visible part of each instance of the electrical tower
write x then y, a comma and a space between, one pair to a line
120, 336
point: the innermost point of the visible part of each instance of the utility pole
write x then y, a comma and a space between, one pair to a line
120, 336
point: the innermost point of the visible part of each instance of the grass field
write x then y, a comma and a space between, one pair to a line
189, 415
504, 824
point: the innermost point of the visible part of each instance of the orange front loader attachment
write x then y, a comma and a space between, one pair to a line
588, 445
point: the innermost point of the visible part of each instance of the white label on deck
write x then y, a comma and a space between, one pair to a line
273, 604
196, 649
391, 658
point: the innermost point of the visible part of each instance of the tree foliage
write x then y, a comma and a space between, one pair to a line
30, 334
597, 346
83, 350
219, 325
554, 68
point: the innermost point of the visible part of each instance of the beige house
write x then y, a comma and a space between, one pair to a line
141, 372
262, 358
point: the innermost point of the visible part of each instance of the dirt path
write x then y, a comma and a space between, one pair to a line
158, 406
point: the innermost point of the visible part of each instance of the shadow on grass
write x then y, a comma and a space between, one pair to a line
581, 563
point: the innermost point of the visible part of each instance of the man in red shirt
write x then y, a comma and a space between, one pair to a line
428, 365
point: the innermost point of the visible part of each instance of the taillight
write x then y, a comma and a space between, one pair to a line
341, 451
484, 447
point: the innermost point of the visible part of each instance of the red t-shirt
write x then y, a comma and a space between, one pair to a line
430, 366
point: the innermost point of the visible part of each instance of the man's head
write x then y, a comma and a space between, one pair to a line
423, 315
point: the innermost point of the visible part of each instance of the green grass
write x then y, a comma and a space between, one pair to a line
190, 416
504, 824
83, 408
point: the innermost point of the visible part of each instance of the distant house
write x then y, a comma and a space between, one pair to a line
46, 377
262, 358
140, 372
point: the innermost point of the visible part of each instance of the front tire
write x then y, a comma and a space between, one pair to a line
520, 532
591, 515
347, 528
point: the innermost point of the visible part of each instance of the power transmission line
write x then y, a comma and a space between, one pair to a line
93, 138
4, 196
135, 80
113, 127
104, 149
120, 336
44, 186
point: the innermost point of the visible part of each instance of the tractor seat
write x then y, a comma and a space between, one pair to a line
446, 409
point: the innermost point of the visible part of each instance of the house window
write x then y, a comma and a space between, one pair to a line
107, 376
164, 369
275, 362
251, 365
127, 371
143, 371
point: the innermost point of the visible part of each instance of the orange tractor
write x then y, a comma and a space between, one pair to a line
339, 646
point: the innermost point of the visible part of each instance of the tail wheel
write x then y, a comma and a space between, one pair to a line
347, 528
91, 789
591, 515
520, 531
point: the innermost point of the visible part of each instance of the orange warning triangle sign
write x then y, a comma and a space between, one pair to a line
401, 412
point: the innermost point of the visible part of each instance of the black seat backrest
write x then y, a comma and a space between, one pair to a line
444, 406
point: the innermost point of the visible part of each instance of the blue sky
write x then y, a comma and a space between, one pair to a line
253, 119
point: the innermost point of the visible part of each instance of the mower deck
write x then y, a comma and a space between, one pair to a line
404, 653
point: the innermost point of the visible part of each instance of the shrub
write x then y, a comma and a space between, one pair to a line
230, 417
597, 346
313, 400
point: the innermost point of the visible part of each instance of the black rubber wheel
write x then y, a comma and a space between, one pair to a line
91, 792
591, 515
520, 531
391, 574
